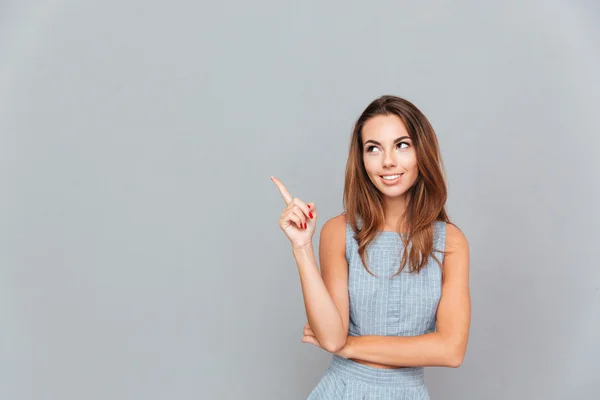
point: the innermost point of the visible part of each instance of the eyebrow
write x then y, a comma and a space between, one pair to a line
395, 141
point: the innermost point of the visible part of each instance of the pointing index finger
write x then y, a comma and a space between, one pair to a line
287, 197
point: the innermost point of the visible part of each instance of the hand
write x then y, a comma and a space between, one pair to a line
309, 337
298, 219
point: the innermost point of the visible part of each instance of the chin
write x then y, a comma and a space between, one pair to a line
393, 194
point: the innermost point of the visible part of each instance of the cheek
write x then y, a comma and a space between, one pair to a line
414, 172
410, 162
412, 169
368, 166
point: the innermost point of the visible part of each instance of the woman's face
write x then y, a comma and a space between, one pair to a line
388, 151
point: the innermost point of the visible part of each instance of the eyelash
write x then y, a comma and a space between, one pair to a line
369, 148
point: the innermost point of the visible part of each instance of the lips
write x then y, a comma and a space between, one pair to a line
392, 181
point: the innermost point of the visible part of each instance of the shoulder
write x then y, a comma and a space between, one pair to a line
455, 239
334, 231
335, 226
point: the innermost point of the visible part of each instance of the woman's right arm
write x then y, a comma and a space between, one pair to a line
326, 295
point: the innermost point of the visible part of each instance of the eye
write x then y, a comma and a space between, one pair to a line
369, 149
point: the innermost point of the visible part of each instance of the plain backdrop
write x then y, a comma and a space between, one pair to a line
140, 252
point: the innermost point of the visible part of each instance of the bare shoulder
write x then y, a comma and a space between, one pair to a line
455, 239
334, 231
338, 221
457, 258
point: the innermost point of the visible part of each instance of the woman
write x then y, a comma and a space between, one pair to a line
392, 296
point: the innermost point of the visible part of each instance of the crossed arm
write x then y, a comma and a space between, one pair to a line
444, 347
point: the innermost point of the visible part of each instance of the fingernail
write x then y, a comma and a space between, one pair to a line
310, 215
308, 205
305, 225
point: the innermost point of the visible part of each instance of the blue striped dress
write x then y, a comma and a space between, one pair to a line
401, 306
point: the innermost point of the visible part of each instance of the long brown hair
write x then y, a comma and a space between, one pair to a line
426, 198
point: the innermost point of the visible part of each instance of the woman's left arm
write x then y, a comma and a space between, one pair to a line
447, 345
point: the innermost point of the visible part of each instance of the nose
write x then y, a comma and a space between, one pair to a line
389, 161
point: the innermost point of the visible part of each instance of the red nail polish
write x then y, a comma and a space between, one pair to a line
305, 225
308, 205
310, 215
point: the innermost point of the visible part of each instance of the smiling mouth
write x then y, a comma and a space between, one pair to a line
390, 177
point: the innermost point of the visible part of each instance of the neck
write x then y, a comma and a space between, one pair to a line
394, 209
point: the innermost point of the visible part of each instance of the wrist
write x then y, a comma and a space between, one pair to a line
307, 248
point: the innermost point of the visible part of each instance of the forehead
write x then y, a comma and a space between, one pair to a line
384, 128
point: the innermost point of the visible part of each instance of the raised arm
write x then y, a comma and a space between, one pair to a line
326, 295
447, 345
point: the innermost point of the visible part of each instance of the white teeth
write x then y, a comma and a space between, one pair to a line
390, 177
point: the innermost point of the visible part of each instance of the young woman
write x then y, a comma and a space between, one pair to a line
392, 296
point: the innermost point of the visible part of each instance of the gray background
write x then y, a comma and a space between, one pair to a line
140, 253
